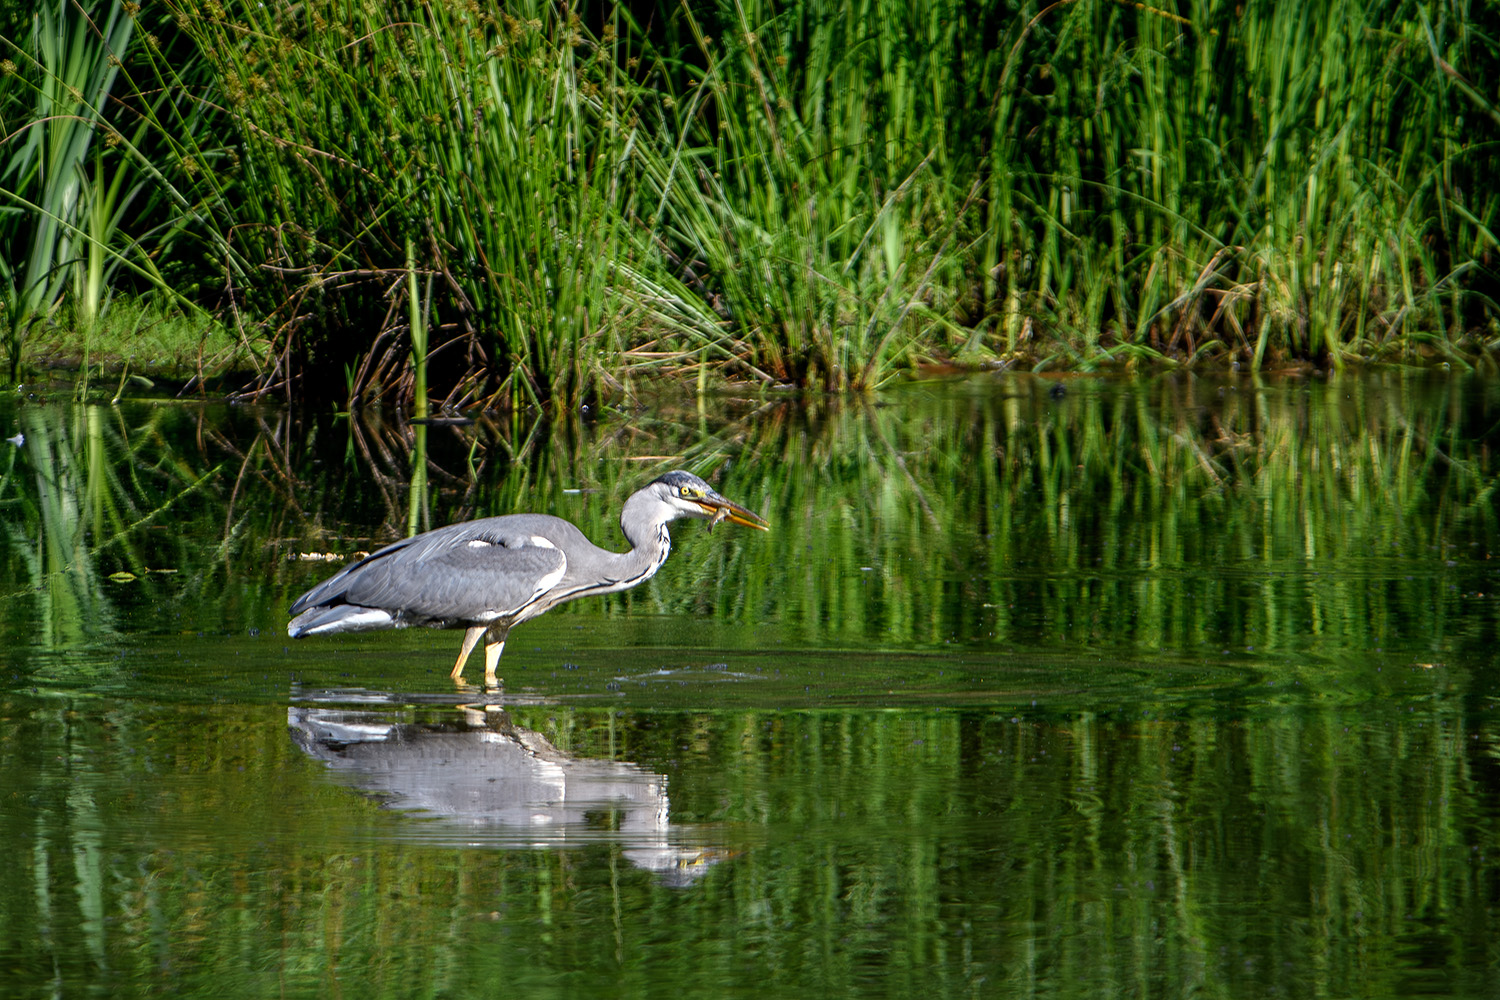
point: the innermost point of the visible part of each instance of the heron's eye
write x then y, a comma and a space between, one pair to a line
689, 492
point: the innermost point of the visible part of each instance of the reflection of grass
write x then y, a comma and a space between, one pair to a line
955, 846
1274, 516
85, 493
1162, 520
59, 511
1312, 520
1283, 516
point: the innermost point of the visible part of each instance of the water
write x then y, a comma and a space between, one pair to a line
1160, 688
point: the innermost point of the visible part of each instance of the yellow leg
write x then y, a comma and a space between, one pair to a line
471, 637
492, 651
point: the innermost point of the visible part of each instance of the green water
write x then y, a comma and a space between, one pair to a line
1161, 688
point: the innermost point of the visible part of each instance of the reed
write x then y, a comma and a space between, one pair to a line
491, 141
813, 181
1258, 179
855, 188
100, 187
69, 68
820, 193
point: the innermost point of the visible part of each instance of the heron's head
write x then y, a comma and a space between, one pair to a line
689, 496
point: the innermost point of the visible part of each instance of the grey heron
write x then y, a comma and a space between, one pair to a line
489, 575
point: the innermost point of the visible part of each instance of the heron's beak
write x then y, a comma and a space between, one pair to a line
728, 510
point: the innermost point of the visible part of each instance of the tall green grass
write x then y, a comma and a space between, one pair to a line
106, 179
57, 197
1264, 180
871, 184
820, 193
493, 142
816, 182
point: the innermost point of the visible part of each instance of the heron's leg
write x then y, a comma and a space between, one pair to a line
492, 651
470, 638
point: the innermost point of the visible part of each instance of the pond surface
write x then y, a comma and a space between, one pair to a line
1153, 688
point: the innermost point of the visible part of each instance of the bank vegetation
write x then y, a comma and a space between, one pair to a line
526, 203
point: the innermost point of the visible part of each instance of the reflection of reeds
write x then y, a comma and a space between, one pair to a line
88, 491
1276, 514
1181, 515
1266, 514
955, 846
62, 504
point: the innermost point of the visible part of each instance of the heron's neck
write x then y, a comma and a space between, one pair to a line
649, 546
593, 570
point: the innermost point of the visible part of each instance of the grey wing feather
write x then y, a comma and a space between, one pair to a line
465, 572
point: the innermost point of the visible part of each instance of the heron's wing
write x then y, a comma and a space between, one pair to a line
331, 591
474, 571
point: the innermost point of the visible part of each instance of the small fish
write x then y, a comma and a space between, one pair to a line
719, 515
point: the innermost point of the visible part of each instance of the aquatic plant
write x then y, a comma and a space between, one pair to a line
485, 140
819, 193
106, 186
56, 217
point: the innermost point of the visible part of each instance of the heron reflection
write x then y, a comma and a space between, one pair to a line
481, 778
